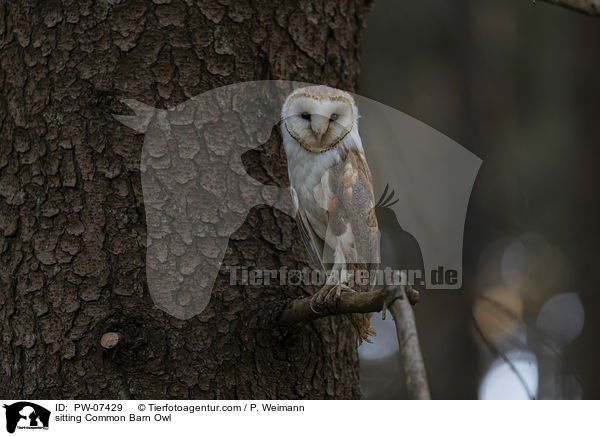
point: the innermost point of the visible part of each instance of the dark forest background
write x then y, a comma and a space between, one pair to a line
518, 84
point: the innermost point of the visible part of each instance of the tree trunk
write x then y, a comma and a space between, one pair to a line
72, 223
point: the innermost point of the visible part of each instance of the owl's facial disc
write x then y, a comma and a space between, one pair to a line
318, 122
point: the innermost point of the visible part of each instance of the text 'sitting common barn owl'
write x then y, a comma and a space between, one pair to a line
332, 191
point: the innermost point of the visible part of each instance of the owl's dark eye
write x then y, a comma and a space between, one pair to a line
334, 117
305, 115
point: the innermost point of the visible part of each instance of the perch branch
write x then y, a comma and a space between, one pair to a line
398, 300
350, 302
589, 7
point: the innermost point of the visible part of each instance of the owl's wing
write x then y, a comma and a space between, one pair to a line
352, 233
314, 244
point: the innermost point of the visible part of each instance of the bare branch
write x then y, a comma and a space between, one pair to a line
398, 300
350, 302
589, 7
410, 350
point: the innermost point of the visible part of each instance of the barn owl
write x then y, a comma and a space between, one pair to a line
332, 191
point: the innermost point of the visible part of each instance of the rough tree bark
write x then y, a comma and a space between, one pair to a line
72, 225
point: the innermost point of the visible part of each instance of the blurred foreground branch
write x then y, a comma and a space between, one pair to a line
399, 301
590, 7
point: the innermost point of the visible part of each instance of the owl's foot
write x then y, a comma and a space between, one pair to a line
327, 298
318, 300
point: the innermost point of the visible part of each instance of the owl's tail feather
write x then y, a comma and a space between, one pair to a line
362, 325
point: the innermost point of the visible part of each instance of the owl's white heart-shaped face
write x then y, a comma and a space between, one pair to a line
319, 117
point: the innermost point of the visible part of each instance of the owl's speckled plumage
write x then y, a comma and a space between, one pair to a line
332, 186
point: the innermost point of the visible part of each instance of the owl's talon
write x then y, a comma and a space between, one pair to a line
346, 288
338, 296
316, 301
324, 300
332, 297
313, 309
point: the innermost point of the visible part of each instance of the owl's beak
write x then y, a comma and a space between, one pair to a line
319, 125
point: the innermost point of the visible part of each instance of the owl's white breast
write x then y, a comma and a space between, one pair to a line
306, 169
